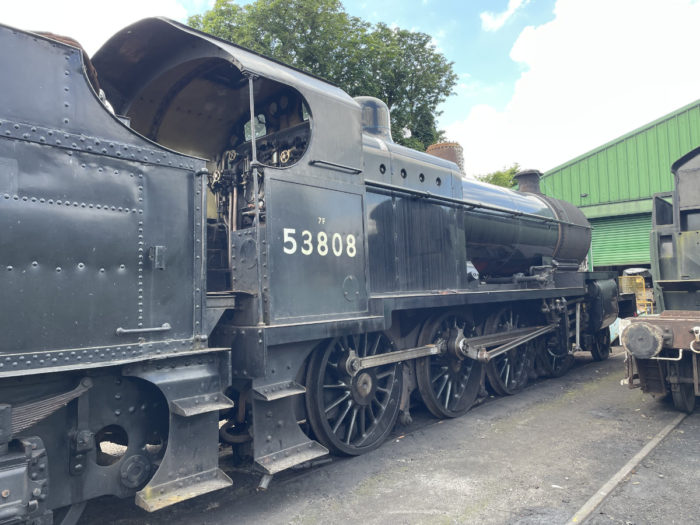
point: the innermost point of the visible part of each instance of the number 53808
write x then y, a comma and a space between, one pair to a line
321, 243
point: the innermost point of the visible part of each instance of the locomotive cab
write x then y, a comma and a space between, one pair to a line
192, 92
202, 106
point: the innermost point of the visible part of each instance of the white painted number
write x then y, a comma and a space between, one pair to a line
288, 238
322, 240
337, 246
350, 240
307, 247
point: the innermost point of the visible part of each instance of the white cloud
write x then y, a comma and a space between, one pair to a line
89, 22
595, 72
491, 21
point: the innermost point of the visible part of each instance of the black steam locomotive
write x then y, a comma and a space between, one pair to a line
200, 245
663, 349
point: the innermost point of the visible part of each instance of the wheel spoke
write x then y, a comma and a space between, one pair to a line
351, 427
442, 387
337, 402
371, 413
353, 341
504, 364
381, 407
340, 386
375, 346
387, 373
342, 417
447, 395
440, 374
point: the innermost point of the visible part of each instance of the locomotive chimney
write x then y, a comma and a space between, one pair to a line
451, 151
528, 181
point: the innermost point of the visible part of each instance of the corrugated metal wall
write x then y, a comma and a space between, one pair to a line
618, 180
621, 241
633, 167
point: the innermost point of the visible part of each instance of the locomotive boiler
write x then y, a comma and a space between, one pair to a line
204, 247
663, 349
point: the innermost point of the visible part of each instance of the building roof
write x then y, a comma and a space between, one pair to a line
621, 176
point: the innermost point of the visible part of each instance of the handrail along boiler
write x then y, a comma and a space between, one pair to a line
238, 253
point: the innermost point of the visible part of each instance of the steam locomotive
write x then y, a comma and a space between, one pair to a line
663, 349
203, 246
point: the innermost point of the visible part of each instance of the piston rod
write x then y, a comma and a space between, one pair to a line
354, 364
470, 348
476, 347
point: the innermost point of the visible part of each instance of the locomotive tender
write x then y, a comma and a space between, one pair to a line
202, 245
663, 349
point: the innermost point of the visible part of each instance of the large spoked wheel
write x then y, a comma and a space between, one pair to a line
684, 395
553, 358
447, 382
600, 350
508, 373
352, 414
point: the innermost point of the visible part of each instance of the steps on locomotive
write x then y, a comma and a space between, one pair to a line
274, 403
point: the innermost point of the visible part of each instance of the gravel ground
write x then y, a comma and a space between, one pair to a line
665, 488
533, 458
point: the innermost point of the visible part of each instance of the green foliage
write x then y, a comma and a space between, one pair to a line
400, 67
503, 177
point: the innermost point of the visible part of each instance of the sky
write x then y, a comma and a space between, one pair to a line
540, 81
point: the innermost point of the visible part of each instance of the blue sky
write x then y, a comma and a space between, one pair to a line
540, 81
486, 73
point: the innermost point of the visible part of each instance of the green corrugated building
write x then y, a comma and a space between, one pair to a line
614, 184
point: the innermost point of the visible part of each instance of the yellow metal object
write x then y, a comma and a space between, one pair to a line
635, 284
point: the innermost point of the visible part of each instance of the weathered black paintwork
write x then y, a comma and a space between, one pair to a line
104, 242
663, 348
83, 199
675, 238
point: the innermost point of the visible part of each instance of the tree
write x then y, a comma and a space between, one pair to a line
503, 177
401, 67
